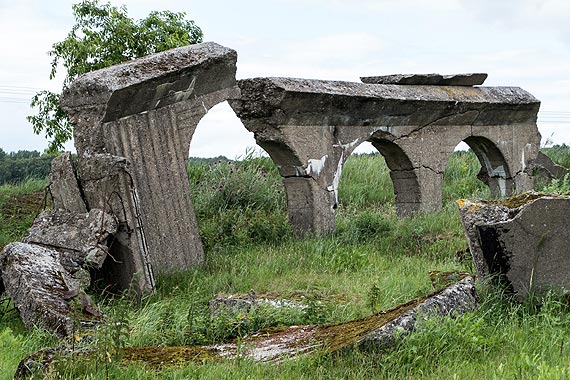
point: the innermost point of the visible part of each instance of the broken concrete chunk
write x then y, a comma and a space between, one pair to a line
544, 167
471, 79
456, 299
523, 240
63, 186
44, 293
81, 238
374, 332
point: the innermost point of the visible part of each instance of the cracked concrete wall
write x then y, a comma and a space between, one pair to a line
133, 124
310, 127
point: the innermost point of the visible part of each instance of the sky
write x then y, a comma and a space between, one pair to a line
524, 43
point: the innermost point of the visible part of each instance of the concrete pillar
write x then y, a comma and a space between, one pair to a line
133, 127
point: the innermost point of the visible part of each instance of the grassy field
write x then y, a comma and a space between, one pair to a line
373, 261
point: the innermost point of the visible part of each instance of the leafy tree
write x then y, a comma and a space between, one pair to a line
103, 35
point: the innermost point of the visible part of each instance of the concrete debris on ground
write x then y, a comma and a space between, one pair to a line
522, 240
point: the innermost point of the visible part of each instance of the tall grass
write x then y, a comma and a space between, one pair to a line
373, 261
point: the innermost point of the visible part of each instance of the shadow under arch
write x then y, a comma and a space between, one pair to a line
404, 177
495, 171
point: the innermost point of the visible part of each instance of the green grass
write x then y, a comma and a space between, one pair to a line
19, 204
560, 154
373, 261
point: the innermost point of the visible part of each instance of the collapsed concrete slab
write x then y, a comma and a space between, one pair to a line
47, 274
375, 332
521, 240
43, 291
81, 238
133, 124
310, 128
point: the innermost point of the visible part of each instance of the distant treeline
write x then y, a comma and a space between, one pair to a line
23, 164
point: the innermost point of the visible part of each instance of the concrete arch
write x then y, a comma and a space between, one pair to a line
134, 124
495, 171
407, 190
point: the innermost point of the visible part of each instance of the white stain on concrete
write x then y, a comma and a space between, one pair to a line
336, 181
315, 167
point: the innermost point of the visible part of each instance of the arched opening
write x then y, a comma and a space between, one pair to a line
365, 180
235, 187
494, 170
460, 178
407, 190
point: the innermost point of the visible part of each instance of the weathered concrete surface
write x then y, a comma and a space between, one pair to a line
64, 189
46, 274
545, 170
43, 291
310, 128
375, 332
81, 238
139, 117
471, 79
523, 240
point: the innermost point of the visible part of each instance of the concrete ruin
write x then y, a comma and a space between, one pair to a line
521, 241
310, 128
133, 124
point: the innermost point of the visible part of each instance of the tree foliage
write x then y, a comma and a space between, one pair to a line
104, 35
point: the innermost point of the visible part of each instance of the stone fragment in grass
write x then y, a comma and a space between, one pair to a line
43, 291
374, 332
243, 303
523, 240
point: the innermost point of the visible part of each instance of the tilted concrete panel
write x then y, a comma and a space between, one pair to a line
310, 127
133, 127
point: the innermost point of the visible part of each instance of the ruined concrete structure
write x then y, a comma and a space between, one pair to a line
310, 128
522, 241
133, 127
134, 123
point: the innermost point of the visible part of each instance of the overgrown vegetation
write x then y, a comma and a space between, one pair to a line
373, 261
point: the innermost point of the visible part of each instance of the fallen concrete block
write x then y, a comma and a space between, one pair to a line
376, 331
43, 291
471, 79
523, 240
80, 238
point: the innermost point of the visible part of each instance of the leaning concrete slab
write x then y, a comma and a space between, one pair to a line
523, 240
138, 118
64, 189
310, 127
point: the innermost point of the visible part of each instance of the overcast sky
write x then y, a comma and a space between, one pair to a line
523, 43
